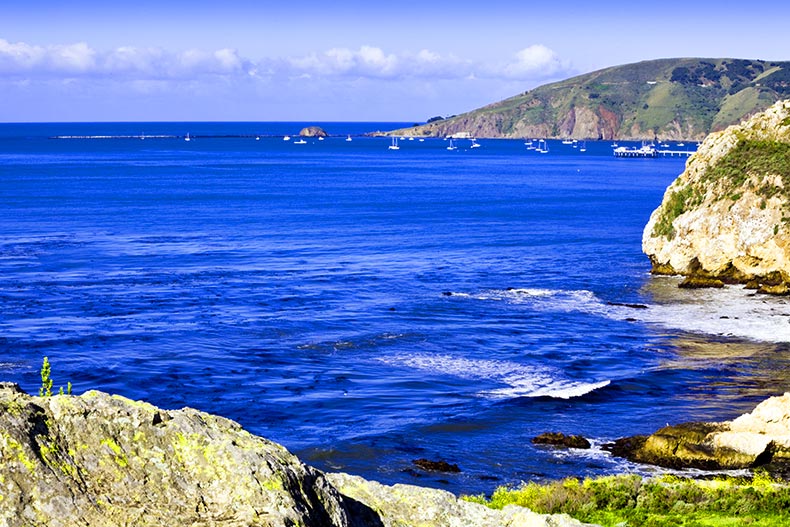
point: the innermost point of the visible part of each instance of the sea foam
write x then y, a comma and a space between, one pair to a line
730, 312
515, 380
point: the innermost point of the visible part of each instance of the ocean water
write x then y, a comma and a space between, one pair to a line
367, 307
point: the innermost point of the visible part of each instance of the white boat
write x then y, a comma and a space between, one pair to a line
452, 146
187, 138
422, 140
543, 147
348, 138
475, 144
568, 141
320, 138
287, 138
583, 147
257, 138
300, 142
394, 144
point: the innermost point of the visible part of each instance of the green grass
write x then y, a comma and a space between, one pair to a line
729, 178
679, 202
631, 501
750, 157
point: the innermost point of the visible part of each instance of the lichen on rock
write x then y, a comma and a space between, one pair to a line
105, 460
727, 216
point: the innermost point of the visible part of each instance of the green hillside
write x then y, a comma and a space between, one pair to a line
668, 98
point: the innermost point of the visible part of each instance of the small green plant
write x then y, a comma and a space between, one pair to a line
46, 381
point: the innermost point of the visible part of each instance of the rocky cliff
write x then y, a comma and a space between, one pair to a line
105, 461
672, 99
726, 218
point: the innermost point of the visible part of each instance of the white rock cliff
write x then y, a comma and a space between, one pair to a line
727, 216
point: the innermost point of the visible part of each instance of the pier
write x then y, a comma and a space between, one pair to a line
649, 151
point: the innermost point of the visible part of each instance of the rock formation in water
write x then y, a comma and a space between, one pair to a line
312, 131
103, 460
726, 218
759, 438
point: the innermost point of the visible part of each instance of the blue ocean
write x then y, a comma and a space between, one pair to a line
364, 306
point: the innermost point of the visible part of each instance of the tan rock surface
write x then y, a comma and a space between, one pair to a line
735, 229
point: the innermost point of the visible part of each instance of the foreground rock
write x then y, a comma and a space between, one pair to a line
726, 218
407, 505
103, 460
760, 438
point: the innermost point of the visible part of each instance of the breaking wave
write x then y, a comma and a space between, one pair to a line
513, 379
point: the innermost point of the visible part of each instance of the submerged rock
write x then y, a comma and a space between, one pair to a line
759, 438
727, 216
104, 460
562, 440
437, 466
698, 282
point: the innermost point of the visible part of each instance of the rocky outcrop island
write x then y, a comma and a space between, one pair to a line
726, 218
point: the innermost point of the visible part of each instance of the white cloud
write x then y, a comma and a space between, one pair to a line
72, 58
127, 62
535, 62
19, 56
20, 61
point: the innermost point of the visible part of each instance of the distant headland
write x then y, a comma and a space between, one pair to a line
668, 99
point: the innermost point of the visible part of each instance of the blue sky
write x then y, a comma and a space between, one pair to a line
328, 60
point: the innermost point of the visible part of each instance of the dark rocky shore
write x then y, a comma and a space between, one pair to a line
757, 439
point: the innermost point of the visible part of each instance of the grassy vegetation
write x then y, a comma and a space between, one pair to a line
747, 158
729, 178
631, 501
679, 202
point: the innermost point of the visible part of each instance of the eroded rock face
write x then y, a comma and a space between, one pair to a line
106, 460
727, 216
755, 439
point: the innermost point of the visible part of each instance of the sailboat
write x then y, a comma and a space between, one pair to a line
543, 147
187, 138
475, 144
583, 147
394, 145
348, 138
452, 146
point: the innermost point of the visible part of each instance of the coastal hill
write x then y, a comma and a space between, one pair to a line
726, 218
675, 99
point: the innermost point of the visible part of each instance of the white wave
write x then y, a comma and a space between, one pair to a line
516, 380
728, 312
